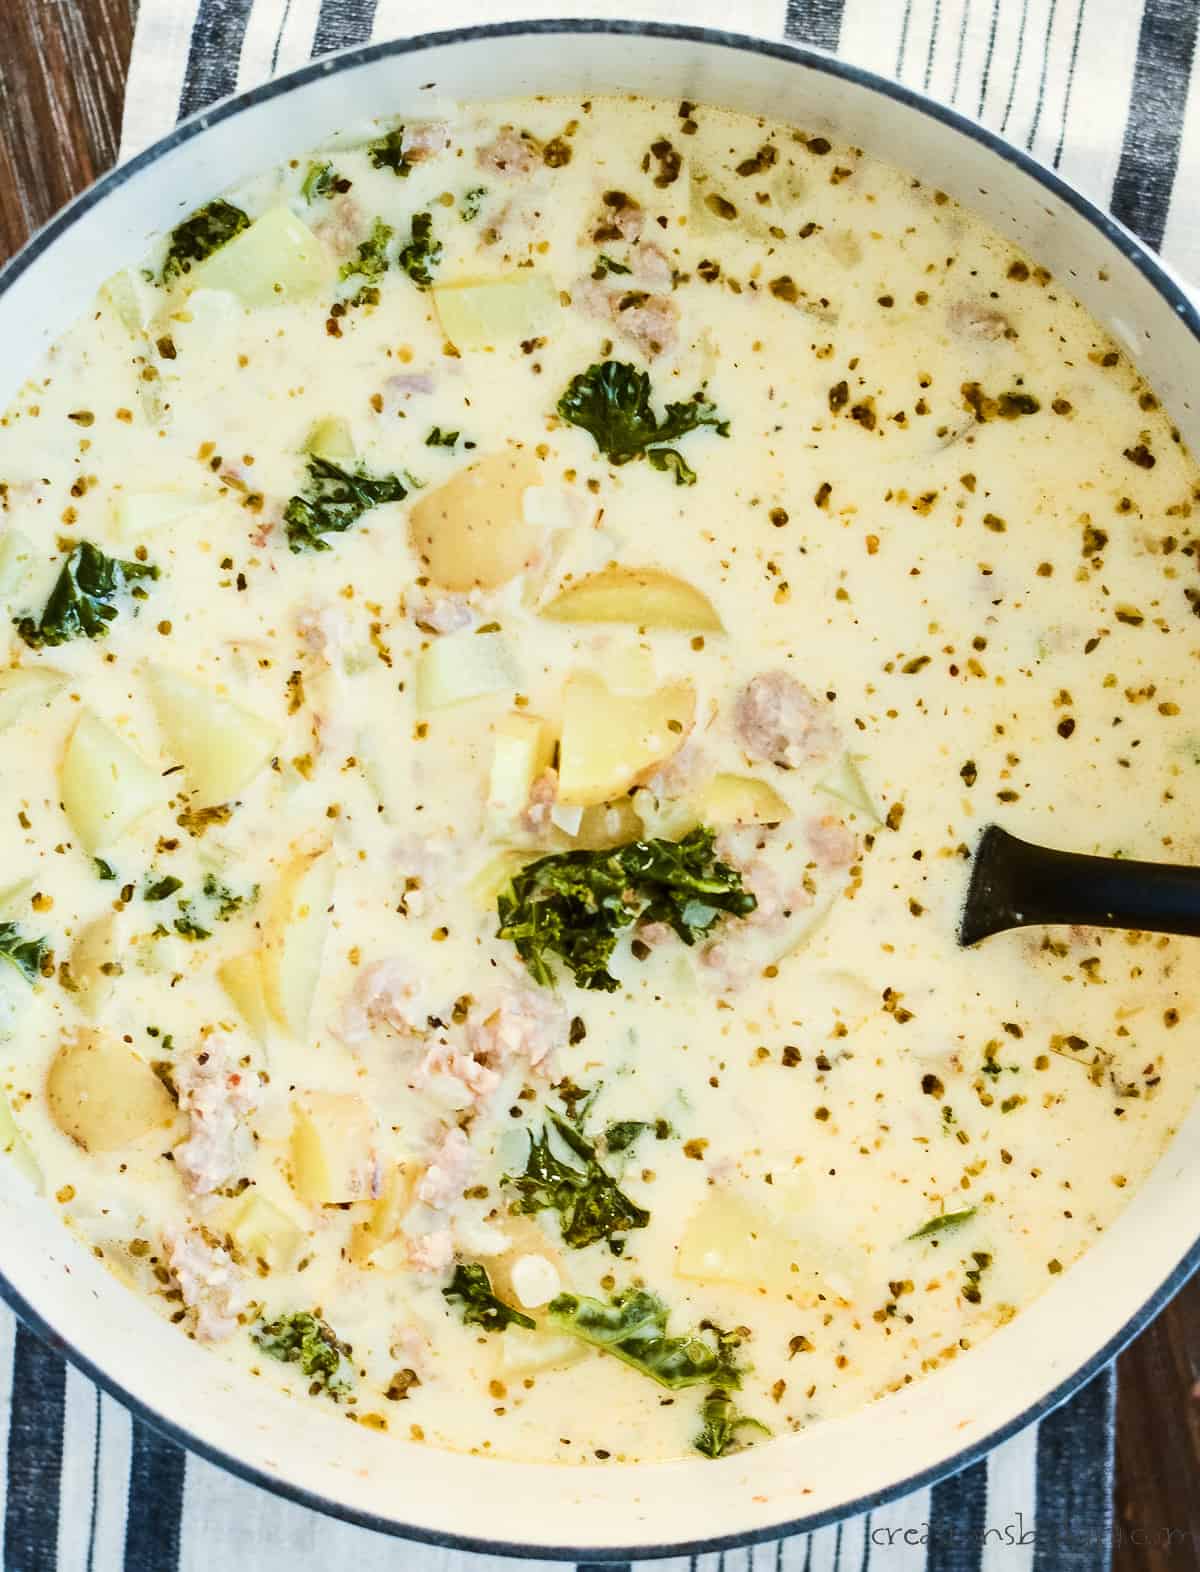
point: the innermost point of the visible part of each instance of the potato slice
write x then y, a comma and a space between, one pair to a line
262, 1232
472, 532
24, 689
333, 1137
140, 513
610, 741
242, 979
95, 964
12, 1144
221, 746
521, 1352
103, 1096
106, 787
741, 799
277, 260
522, 748
386, 1215
845, 783
647, 597
330, 438
484, 313
294, 938
464, 666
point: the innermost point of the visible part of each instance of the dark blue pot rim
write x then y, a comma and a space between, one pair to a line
1156, 275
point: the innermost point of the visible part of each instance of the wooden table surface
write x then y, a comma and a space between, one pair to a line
62, 74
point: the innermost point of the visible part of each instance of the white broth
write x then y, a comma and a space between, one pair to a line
514, 628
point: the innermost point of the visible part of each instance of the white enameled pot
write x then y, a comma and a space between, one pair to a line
797, 1481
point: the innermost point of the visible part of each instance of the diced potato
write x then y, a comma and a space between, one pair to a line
609, 824
490, 312
522, 748
494, 877
294, 933
277, 260
103, 1096
729, 1240
132, 299
463, 666
741, 799
333, 1135
386, 1215
521, 1352
139, 514
16, 555
12, 1144
242, 979
221, 746
647, 597
330, 439
262, 1232
629, 667
95, 964
472, 532
666, 818
845, 782
610, 741
24, 689
106, 787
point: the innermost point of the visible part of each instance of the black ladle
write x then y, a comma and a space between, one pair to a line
1018, 885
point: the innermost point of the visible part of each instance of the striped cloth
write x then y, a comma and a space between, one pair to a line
1098, 89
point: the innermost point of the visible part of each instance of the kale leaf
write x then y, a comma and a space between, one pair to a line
27, 955
481, 1307
721, 1422
302, 1338
161, 888
606, 264
104, 870
372, 260
227, 903
944, 1222
590, 1204
422, 253
632, 1327
575, 904
388, 153
320, 181
622, 1133
611, 400
335, 499
82, 602
205, 231
438, 438
468, 208
186, 925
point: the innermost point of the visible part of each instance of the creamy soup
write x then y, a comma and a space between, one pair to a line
514, 626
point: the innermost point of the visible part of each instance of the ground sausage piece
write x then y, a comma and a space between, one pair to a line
420, 142
216, 1094
832, 843
209, 1281
778, 719
508, 154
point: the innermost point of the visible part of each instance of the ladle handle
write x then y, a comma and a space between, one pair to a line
1015, 884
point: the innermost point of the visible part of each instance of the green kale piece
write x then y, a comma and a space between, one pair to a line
606, 264
944, 1222
388, 153
722, 1420
611, 400
622, 1133
161, 888
187, 926
632, 1327
104, 870
422, 253
82, 602
302, 1338
334, 500
320, 181
468, 208
372, 260
473, 1287
590, 1204
27, 955
438, 438
575, 904
205, 231
228, 904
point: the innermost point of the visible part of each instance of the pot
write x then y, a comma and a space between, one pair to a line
800, 1481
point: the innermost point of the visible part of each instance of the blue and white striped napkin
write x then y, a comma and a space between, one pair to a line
1100, 90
